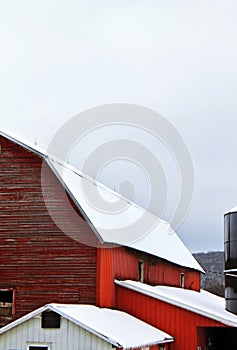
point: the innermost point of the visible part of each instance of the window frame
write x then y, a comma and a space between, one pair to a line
140, 266
182, 280
45, 323
13, 290
46, 346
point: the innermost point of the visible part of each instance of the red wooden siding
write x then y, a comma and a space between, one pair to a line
37, 259
181, 324
122, 263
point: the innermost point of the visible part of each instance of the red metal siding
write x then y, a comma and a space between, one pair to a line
122, 263
113, 262
157, 270
165, 273
104, 275
181, 324
37, 259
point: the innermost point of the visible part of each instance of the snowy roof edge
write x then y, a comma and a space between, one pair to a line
53, 307
50, 159
232, 210
194, 309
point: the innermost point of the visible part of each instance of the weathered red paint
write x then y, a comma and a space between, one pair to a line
42, 264
182, 324
37, 259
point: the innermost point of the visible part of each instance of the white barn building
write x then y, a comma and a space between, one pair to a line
74, 327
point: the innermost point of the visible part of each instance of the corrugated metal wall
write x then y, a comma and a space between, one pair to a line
68, 337
36, 258
158, 271
122, 263
104, 292
181, 324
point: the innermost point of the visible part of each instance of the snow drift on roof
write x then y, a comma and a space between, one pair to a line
109, 325
202, 303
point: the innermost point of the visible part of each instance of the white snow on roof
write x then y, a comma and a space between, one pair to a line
129, 224
116, 327
232, 210
202, 303
116, 219
30, 145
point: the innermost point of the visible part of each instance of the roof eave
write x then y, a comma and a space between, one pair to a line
177, 303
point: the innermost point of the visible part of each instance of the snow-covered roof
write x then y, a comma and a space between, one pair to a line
232, 210
122, 227
30, 145
126, 224
116, 327
202, 303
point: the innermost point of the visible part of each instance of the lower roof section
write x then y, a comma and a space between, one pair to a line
115, 327
202, 303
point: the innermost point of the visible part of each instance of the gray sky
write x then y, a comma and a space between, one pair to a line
177, 57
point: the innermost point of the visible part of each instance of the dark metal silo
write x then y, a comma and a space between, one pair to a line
230, 223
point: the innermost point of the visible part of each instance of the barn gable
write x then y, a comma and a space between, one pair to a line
80, 326
39, 263
42, 264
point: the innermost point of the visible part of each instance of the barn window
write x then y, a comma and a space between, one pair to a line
182, 280
140, 271
50, 319
38, 347
6, 302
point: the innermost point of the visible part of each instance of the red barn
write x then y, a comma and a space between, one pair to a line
58, 248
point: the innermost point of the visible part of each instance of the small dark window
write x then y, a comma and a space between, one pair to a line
6, 302
140, 271
50, 319
182, 280
38, 347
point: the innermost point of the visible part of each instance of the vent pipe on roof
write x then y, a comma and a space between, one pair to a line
230, 224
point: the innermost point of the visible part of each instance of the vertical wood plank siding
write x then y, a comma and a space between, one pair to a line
181, 324
122, 263
42, 263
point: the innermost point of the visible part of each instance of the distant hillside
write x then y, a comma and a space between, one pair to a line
213, 264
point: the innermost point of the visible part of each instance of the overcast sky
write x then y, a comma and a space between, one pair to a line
178, 58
